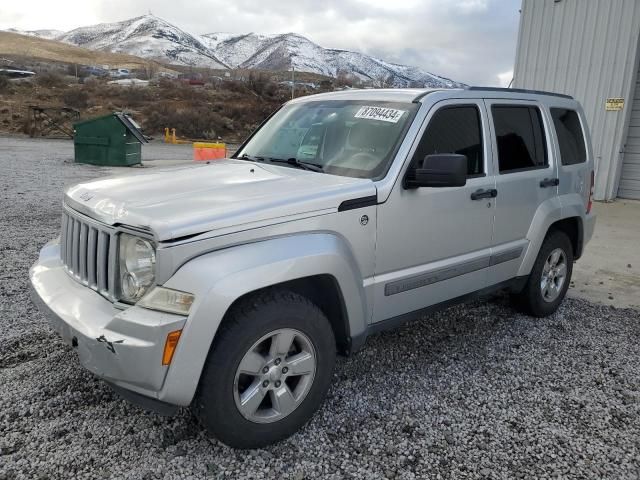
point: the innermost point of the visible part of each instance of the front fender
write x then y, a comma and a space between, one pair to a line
219, 278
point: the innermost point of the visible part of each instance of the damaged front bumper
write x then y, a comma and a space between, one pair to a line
122, 346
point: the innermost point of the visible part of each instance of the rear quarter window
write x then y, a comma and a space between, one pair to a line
570, 136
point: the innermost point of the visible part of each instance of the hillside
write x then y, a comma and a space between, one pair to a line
19, 46
49, 34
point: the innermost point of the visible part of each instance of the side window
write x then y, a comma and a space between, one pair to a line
570, 138
454, 130
520, 137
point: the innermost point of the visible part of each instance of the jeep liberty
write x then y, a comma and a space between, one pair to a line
230, 286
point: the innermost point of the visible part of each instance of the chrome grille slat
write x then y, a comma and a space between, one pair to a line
75, 248
91, 258
69, 245
111, 270
83, 253
102, 260
88, 251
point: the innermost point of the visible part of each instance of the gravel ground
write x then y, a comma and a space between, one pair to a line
477, 391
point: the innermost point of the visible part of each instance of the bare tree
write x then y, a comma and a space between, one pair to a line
344, 79
151, 69
384, 80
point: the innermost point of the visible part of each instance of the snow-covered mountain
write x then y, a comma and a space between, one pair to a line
152, 37
279, 52
148, 37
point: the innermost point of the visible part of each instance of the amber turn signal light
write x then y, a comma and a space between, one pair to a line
170, 346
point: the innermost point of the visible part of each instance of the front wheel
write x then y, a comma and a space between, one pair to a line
550, 277
268, 370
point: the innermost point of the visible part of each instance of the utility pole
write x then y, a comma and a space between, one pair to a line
293, 75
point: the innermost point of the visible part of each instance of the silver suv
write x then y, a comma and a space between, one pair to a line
230, 286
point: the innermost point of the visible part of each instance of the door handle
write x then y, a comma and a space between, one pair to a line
549, 182
480, 194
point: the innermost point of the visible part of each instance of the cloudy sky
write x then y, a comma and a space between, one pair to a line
472, 41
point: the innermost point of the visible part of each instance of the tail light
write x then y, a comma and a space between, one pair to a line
590, 203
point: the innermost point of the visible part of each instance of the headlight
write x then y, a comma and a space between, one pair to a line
167, 300
137, 267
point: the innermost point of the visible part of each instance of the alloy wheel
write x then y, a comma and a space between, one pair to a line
554, 274
274, 376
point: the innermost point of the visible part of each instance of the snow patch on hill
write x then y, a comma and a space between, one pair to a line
47, 34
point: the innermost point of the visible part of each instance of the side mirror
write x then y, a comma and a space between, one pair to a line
439, 170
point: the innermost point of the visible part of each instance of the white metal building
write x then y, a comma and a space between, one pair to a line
589, 49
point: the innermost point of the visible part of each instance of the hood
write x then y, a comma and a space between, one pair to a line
188, 200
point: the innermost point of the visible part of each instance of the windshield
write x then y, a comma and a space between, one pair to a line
349, 138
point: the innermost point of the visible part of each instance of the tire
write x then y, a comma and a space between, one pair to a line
247, 335
532, 299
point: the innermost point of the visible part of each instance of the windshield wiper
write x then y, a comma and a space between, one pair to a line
314, 167
251, 158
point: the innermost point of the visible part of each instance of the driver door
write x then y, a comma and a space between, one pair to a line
434, 244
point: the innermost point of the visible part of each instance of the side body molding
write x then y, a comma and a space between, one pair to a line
219, 278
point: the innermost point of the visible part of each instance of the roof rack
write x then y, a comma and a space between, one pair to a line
519, 90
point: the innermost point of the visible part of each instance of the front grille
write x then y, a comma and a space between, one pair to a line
88, 252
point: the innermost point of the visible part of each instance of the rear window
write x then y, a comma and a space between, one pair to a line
570, 137
520, 137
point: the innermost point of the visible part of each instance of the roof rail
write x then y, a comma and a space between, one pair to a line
519, 90
421, 95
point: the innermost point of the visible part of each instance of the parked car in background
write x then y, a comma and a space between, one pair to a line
95, 71
230, 286
119, 73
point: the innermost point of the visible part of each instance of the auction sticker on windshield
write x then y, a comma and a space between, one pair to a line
380, 113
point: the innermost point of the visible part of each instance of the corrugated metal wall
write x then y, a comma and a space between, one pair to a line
587, 49
630, 175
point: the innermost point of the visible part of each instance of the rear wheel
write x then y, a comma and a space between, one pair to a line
549, 279
268, 370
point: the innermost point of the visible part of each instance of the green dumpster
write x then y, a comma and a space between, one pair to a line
109, 140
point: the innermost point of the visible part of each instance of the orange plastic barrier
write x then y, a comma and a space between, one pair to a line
209, 151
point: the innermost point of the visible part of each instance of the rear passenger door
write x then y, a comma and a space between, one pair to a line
525, 179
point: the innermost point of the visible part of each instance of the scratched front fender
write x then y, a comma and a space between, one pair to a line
122, 346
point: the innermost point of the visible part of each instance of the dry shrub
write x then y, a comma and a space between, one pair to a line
230, 110
50, 80
260, 84
232, 120
75, 98
179, 90
92, 84
134, 96
5, 84
234, 86
192, 122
